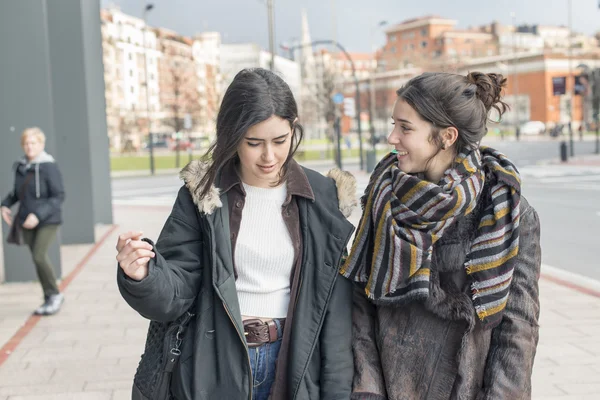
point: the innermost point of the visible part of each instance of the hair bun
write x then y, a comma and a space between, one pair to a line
489, 90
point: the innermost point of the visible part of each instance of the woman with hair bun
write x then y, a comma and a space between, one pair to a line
447, 256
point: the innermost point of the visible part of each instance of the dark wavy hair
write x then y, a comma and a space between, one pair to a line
450, 100
254, 96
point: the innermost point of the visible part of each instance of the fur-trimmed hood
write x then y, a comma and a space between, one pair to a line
193, 173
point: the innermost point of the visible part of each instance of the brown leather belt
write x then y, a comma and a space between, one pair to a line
259, 332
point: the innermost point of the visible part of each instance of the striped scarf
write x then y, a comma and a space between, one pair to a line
404, 216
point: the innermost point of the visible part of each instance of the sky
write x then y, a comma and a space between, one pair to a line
353, 23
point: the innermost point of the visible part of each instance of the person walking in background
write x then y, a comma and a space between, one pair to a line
255, 241
447, 256
38, 188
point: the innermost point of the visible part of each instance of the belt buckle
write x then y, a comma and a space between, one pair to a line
251, 323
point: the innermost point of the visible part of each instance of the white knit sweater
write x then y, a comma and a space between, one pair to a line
264, 254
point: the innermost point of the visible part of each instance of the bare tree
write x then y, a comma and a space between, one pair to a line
127, 125
180, 96
317, 104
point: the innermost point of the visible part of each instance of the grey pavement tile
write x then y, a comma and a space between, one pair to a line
109, 385
16, 358
566, 397
552, 351
560, 333
130, 362
123, 316
30, 376
97, 373
137, 332
122, 395
543, 389
61, 353
80, 334
90, 363
56, 388
566, 375
67, 396
581, 388
119, 350
562, 360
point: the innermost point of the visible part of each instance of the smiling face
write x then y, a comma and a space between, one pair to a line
417, 151
264, 150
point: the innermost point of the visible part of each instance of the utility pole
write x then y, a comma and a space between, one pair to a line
569, 79
271, 34
147, 8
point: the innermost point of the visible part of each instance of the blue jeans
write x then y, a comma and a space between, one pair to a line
262, 361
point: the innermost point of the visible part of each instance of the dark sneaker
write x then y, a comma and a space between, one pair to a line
51, 306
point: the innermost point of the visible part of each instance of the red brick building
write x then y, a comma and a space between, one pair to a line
431, 40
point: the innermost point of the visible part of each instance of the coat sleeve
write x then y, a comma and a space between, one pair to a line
368, 373
175, 273
336, 344
11, 199
513, 344
56, 194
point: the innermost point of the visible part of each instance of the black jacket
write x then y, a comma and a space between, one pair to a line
194, 260
44, 193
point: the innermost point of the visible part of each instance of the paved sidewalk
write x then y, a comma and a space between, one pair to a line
90, 350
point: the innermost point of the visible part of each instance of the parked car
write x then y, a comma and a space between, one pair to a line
533, 128
183, 145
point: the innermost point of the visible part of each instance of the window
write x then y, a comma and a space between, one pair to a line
424, 32
423, 44
393, 49
392, 38
131, 72
132, 89
130, 56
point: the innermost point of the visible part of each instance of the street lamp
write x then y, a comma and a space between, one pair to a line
148, 8
372, 154
271, 34
357, 88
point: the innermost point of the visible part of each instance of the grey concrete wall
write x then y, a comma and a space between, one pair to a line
52, 76
25, 100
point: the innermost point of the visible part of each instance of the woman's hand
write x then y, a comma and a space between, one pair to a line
31, 221
134, 255
7, 215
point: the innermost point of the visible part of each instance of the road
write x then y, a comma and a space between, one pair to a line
567, 199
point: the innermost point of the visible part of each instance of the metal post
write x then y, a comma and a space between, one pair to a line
338, 136
515, 76
150, 139
360, 142
571, 78
597, 134
357, 88
271, 34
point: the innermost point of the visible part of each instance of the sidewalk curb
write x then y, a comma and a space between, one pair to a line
571, 280
32, 321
